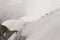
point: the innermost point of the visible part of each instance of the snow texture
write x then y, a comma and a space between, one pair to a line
46, 28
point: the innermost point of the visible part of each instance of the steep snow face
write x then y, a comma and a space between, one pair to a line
14, 25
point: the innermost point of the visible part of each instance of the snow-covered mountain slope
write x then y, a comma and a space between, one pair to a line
46, 28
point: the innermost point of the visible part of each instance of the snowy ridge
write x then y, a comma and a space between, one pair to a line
38, 24
44, 27
51, 13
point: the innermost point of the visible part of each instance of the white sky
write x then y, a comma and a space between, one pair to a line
37, 8
34, 9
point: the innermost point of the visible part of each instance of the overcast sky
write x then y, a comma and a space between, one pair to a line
34, 9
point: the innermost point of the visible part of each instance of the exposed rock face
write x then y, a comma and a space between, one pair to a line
5, 33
